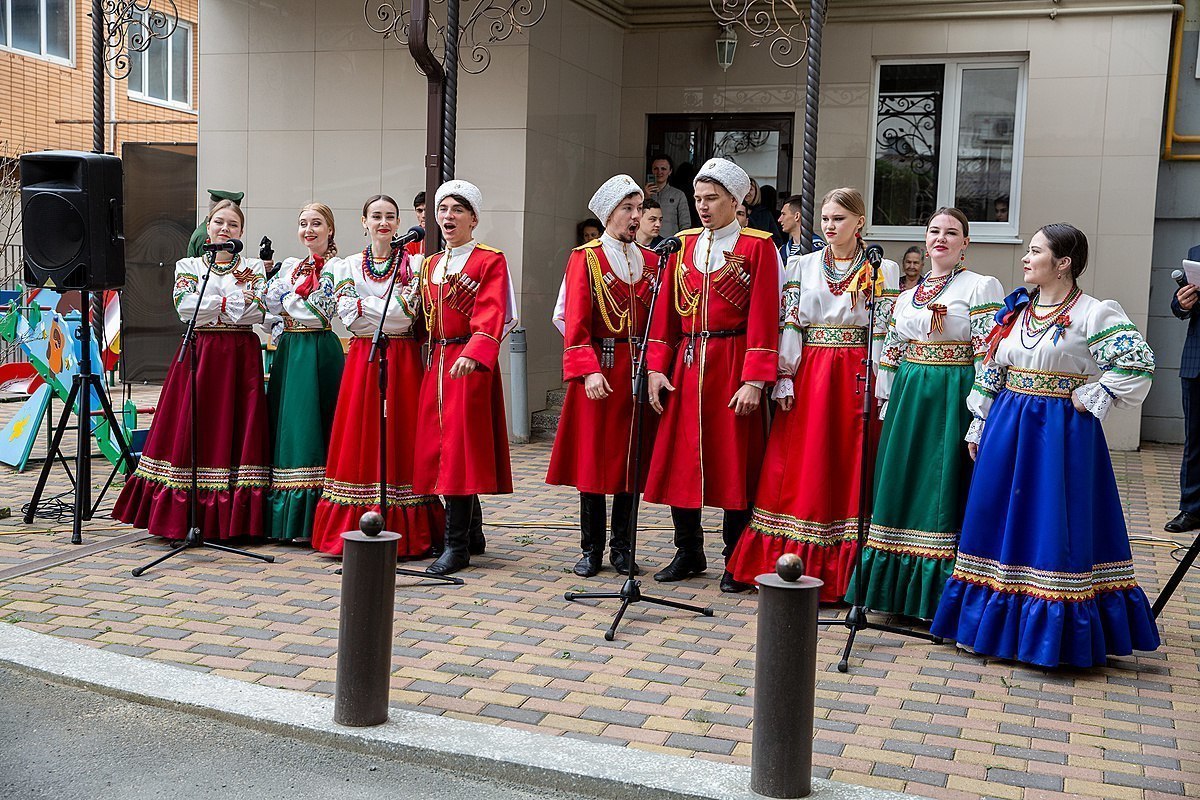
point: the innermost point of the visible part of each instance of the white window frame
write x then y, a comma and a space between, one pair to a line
1004, 232
139, 96
6, 10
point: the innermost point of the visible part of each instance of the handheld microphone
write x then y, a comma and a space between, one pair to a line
875, 255
1178, 276
232, 246
415, 234
264, 250
667, 246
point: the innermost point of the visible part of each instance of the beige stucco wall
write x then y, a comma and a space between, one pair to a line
1094, 111
325, 109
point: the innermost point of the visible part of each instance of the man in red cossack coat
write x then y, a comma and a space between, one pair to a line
716, 331
602, 311
462, 435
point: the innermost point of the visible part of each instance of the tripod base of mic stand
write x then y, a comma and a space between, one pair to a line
631, 592
417, 573
857, 620
195, 539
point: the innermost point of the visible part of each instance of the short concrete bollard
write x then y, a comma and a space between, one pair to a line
364, 665
785, 677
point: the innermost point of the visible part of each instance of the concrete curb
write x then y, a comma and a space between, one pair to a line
521, 757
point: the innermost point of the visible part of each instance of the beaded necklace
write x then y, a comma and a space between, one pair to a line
930, 288
375, 273
1034, 326
839, 282
219, 268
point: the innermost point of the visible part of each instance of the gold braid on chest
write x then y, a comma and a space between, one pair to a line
614, 317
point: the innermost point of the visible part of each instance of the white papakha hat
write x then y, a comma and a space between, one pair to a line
610, 195
728, 174
467, 191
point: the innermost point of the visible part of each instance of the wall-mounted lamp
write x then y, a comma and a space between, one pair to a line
726, 47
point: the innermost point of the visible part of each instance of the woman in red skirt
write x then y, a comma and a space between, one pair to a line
360, 283
233, 453
462, 436
808, 491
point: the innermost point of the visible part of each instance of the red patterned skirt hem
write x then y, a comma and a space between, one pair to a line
221, 514
419, 525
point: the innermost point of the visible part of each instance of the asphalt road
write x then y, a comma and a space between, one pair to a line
63, 743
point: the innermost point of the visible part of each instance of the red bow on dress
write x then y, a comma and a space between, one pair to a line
312, 276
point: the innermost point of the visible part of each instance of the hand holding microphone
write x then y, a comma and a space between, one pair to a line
1187, 292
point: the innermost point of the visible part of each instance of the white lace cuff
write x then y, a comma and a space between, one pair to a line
975, 432
1095, 398
783, 388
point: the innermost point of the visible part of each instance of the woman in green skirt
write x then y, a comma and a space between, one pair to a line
934, 348
305, 377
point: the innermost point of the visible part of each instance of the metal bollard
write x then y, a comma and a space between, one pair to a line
785, 677
518, 385
364, 665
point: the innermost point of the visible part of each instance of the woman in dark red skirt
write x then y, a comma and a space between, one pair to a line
360, 284
233, 453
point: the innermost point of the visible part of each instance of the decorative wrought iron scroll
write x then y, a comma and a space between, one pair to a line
130, 26
486, 23
761, 19
907, 129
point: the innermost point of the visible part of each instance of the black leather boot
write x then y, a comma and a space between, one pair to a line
733, 522
459, 511
689, 558
476, 544
618, 543
591, 534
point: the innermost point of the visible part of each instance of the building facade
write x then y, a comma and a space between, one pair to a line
1023, 112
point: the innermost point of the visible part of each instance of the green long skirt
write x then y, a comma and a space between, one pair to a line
301, 397
922, 474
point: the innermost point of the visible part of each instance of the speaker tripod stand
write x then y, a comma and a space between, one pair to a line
83, 383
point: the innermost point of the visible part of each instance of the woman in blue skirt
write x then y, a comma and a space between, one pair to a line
1044, 573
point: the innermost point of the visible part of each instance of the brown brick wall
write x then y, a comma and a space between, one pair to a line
35, 93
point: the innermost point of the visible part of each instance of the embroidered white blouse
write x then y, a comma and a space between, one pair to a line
1099, 342
971, 301
358, 297
808, 300
233, 296
314, 311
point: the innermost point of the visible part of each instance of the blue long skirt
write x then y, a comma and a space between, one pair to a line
1044, 573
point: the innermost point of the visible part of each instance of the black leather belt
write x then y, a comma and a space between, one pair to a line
455, 340
714, 334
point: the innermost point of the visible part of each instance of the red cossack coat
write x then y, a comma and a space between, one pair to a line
593, 449
462, 435
704, 454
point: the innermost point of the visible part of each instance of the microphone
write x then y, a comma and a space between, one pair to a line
264, 250
415, 234
875, 255
667, 246
1178, 276
233, 246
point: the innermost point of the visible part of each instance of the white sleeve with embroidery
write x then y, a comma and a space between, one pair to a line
186, 293
791, 336
890, 271
890, 357
244, 305
1126, 362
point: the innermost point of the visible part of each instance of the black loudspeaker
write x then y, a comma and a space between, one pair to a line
71, 207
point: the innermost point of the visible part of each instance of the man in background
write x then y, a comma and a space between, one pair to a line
650, 225
1183, 305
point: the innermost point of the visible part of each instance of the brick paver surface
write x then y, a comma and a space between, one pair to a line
506, 649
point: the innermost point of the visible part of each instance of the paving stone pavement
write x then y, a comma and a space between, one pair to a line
507, 649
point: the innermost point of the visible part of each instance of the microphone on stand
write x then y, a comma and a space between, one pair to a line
667, 246
415, 234
875, 255
233, 246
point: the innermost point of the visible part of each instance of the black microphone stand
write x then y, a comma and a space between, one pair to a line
379, 344
195, 536
631, 589
857, 618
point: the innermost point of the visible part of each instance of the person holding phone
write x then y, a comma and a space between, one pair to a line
1183, 305
675, 212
